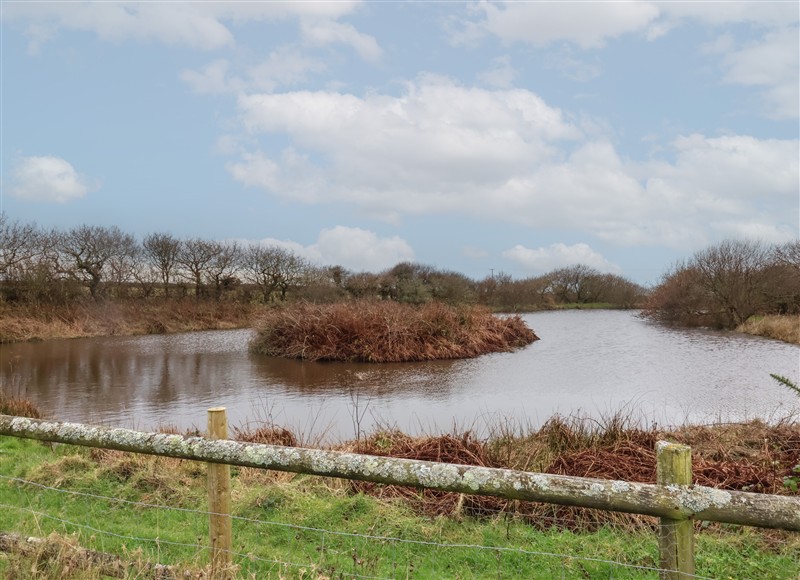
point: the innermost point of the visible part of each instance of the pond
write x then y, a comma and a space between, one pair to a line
588, 363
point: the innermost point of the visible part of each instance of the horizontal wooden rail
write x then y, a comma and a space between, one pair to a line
670, 501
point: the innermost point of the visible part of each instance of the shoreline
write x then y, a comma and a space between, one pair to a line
86, 320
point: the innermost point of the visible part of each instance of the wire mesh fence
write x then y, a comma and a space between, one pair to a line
362, 544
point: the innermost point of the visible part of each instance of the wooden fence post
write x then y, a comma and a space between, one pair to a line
219, 500
675, 536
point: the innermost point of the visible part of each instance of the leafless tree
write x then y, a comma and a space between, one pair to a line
88, 250
194, 257
579, 283
19, 245
272, 269
733, 273
162, 251
222, 268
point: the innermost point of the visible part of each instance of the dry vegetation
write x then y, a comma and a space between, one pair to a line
752, 456
386, 331
785, 328
83, 319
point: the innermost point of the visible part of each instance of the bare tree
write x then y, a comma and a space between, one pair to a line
122, 265
194, 256
221, 269
733, 273
88, 250
162, 251
577, 283
19, 245
272, 269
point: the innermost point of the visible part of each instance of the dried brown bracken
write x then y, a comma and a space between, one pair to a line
386, 331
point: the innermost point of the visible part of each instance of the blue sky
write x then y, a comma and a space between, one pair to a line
510, 136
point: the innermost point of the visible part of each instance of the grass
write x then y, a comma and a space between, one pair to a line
84, 319
384, 331
294, 526
305, 527
779, 327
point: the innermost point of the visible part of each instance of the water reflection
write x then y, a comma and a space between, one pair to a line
592, 362
389, 380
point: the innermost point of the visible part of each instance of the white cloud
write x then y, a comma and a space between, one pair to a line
433, 147
773, 63
325, 32
587, 25
732, 169
47, 179
198, 25
558, 256
285, 66
213, 79
761, 14
505, 155
354, 248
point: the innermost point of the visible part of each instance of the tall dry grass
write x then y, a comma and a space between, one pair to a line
120, 318
780, 327
385, 331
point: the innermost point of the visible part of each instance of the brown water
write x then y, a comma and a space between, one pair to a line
587, 362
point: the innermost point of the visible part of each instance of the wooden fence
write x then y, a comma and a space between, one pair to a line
673, 499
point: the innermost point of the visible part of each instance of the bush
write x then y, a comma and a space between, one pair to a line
386, 331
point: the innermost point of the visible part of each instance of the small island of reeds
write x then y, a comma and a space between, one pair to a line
387, 331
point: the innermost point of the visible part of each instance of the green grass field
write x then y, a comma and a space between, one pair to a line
307, 527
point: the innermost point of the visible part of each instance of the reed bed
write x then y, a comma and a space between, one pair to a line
385, 331
780, 327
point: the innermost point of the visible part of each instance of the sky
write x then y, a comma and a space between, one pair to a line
513, 137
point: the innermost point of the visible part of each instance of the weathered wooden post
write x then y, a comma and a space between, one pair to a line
675, 536
219, 500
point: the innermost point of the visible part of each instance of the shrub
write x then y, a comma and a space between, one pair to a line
386, 331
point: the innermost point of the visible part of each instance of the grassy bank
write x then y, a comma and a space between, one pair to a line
291, 526
119, 318
779, 327
386, 331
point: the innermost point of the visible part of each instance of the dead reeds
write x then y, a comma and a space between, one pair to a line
385, 331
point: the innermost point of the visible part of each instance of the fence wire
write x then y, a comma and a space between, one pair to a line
366, 554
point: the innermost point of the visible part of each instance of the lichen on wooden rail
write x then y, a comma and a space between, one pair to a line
677, 502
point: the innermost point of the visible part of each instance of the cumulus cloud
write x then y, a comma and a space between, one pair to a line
506, 155
559, 255
356, 249
47, 179
436, 146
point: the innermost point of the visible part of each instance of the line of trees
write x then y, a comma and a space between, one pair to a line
104, 263
723, 285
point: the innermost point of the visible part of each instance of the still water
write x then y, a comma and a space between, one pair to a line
591, 363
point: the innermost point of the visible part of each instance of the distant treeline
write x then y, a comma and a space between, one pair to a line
104, 263
724, 285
